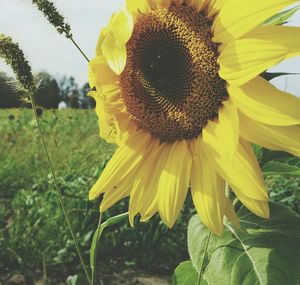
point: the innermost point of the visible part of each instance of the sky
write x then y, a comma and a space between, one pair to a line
49, 51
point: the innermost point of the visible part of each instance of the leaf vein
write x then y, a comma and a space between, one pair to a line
246, 252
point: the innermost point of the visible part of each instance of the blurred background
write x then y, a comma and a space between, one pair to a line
35, 245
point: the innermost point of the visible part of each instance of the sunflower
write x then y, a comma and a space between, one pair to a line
179, 90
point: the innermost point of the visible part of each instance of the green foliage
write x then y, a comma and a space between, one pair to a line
282, 17
196, 242
31, 213
282, 176
277, 162
73, 95
97, 235
285, 190
185, 274
9, 97
262, 252
47, 95
67, 86
283, 165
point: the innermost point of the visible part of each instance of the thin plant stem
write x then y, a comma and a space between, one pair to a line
203, 260
44, 269
80, 50
95, 258
57, 188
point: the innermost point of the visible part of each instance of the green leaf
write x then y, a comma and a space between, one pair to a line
269, 155
282, 17
186, 274
279, 162
264, 252
285, 165
72, 280
196, 241
258, 151
109, 222
93, 248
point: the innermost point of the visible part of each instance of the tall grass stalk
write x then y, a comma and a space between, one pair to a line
14, 57
59, 194
58, 21
80, 50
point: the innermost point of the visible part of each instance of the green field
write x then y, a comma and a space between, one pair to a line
33, 230
34, 240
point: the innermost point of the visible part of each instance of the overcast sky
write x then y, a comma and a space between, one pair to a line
48, 51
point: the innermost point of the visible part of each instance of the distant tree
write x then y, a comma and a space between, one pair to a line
73, 100
48, 94
9, 97
87, 102
69, 92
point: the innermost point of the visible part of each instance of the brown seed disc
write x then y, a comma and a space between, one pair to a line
170, 84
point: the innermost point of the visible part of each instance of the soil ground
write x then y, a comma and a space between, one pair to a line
125, 277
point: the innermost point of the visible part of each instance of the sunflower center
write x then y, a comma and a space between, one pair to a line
170, 84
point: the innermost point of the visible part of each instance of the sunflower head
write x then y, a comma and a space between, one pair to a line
170, 83
177, 83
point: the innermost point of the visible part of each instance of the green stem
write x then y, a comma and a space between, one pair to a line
95, 256
44, 269
101, 227
56, 187
80, 50
203, 260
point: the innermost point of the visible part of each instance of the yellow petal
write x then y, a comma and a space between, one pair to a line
116, 194
258, 207
237, 17
231, 214
121, 26
241, 171
110, 114
114, 53
226, 129
155, 4
208, 192
245, 58
263, 102
107, 121
115, 123
145, 186
272, 137
134, 185
122, 165
138, 6
214, 7
211, 7
174, 181
100, 73
101, 38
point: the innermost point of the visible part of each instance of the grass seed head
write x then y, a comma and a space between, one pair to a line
14, 57
53, 16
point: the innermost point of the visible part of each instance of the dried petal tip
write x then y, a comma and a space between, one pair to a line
14, 57
53, 16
